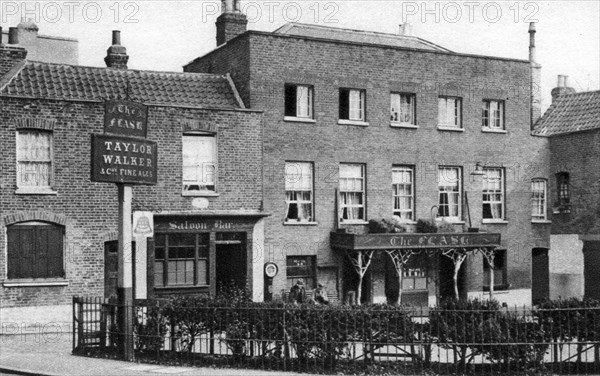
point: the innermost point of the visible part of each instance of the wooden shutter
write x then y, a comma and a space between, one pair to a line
35, 251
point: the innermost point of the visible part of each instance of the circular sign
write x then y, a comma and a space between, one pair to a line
271, 269
200, 203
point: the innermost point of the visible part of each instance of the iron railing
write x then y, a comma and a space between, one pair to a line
347, 339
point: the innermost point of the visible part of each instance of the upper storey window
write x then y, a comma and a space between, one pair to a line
353, 105
299, 101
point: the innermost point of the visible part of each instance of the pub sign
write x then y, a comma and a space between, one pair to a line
125, 118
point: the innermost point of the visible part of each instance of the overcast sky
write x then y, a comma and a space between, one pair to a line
164, 35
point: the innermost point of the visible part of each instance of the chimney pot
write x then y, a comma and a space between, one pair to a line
406, 29
116, 38
13, 35
532, 27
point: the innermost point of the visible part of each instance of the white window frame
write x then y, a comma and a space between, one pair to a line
208, 169
405, 214
490, 188
402, 101
450, 112
539, 200
493, 114
23, 160
443, 189
357, 102
357, 182
297, 173
304, 103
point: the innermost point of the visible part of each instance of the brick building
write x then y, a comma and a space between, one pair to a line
572, 125
58, 229
40, 47
360, 126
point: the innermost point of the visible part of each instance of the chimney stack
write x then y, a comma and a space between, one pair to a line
231, 23
406, 29
562, 87
13, 35
535, 111
116, 55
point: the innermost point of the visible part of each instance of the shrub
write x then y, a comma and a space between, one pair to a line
150, 328
425, 227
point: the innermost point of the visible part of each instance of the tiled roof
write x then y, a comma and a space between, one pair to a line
358, 36
570, 113
71, 82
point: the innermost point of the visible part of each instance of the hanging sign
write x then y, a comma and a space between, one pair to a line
125, 118
117, 159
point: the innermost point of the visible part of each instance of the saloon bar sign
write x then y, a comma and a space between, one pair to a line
125, 118
123, 160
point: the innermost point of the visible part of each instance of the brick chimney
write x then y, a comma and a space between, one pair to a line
562, 87
116, 55
536, 79
231, 23
11, 53
28, 32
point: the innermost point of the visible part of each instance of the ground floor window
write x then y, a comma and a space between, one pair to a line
181, 259
500, 275
301, 268
35, 250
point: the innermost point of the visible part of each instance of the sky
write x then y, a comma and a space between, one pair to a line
164, 35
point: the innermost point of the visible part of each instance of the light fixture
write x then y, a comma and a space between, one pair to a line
478, 169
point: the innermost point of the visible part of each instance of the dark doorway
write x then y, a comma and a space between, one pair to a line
350, 282
446, 281
540, 275
231, 261
591, 269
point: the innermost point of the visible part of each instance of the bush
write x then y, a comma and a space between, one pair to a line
425, 227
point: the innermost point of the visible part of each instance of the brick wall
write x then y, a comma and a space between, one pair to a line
90, 209
276, 60
577, 154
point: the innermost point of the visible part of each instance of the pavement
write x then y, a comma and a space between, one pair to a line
47, 353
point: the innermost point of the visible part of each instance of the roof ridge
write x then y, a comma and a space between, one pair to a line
126, 71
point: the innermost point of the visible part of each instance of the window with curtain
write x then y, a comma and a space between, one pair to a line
493, 114
538, 199
450, 112
403, 192
493, 193
34, 159
199, 163
352, 192
299, 191
563, 190
352, 104
181, 259
299, 101
403, 108
449, 193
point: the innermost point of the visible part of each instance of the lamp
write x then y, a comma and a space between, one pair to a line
478, 169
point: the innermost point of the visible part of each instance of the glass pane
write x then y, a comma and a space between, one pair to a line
420, 283
182, 239
158, 274
202, 272
159, 253
408, 284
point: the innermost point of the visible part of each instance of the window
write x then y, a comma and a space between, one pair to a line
564, 191
352, 104
403, 192
199, 163
450, 112
450, 193
414, 277
538, 199
403, 108
181, 260
35, 250
34, 159
493, 193
352, 192
299, 191
301, 268
493, 115
299, 101
500, 271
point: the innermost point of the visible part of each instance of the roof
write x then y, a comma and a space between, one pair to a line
357, 36
570, 113
80, 83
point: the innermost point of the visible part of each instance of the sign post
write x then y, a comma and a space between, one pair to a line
122, 155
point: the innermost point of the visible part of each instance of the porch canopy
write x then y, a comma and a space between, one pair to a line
401, 246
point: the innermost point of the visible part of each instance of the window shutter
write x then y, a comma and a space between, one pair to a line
344, 105
290, 100
55, 252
